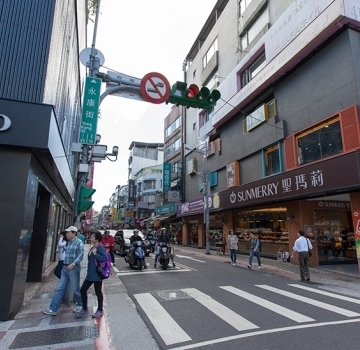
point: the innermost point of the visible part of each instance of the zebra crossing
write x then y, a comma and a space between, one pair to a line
173, 333
129, 271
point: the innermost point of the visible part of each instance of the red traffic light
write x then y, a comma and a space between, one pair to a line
192, 91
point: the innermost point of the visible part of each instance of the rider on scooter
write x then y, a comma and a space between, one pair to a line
135, 237
163, 237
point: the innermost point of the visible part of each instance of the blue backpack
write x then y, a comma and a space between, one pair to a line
103, 268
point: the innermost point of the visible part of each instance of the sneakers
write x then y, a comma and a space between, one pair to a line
174, 265
97, 314
259, 268
249, 267
77, 309
49, 312
234, 264
81, 313
145, 266
154, 266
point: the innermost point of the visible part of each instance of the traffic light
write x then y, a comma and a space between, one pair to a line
84, 203
192, 96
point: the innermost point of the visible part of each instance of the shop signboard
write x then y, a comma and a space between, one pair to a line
169, 208
131, 193
312, 180
356, 224
166, 177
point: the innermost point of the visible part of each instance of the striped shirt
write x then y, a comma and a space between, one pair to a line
74, 252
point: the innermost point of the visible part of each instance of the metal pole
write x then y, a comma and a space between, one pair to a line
206, 208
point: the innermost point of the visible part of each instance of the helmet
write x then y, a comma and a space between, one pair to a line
136, 230
163, 229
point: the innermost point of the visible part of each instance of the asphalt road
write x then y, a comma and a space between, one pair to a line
204, 302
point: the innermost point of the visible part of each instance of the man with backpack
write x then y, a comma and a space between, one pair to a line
255, 248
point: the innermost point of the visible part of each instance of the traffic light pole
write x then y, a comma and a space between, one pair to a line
93, 71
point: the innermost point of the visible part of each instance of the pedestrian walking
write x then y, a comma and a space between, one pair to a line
70, 273
220, 243
233, 246
109, 243
302, 246
254, 250
97, 252
61, 248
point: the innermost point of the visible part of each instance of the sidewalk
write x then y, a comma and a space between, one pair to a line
121, 322
33, 330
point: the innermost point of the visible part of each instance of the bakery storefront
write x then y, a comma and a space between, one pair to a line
313, 198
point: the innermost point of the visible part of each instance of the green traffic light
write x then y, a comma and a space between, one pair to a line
84, 203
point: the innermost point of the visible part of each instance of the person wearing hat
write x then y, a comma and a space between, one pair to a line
70, 273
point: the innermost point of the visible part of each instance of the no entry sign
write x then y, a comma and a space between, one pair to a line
155, 88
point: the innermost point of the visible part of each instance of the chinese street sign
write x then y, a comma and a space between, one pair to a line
166, 177
90, 111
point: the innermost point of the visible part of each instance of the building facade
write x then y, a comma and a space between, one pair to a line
40, 106
285, 129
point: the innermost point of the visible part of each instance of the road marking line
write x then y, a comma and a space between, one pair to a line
238, 322
316, 303
188, 257
322, 292
164, 324
144, 272
266, 331
295, 316
185, 267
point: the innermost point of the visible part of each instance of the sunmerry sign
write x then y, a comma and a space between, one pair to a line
311, 180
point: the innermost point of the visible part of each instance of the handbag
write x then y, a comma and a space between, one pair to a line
309, 250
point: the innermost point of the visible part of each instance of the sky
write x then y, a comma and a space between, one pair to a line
137, 37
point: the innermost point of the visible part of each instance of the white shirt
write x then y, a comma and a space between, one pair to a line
233, 242
301, 244
61, 249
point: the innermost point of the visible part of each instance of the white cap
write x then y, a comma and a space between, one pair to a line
72, 228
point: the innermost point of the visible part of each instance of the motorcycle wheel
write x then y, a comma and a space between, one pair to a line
165, 264
139, 264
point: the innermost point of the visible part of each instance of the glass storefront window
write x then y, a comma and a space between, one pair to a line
334, 236
319, 142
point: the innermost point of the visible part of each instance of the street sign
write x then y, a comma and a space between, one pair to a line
90, 111
155, 88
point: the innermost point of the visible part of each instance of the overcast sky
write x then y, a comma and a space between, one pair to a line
137, 37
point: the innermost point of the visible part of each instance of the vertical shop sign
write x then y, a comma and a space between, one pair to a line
131, 193
356, 224
166, 177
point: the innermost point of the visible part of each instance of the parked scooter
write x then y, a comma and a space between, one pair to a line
138, 258
164, 255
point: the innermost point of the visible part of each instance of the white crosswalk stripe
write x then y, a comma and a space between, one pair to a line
238, 322
172, 333
292, 315
322, 292
313, 302
165, 325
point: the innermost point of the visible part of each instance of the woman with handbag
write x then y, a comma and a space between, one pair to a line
96, 252
303, 247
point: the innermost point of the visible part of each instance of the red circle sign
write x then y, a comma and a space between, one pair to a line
155, 88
